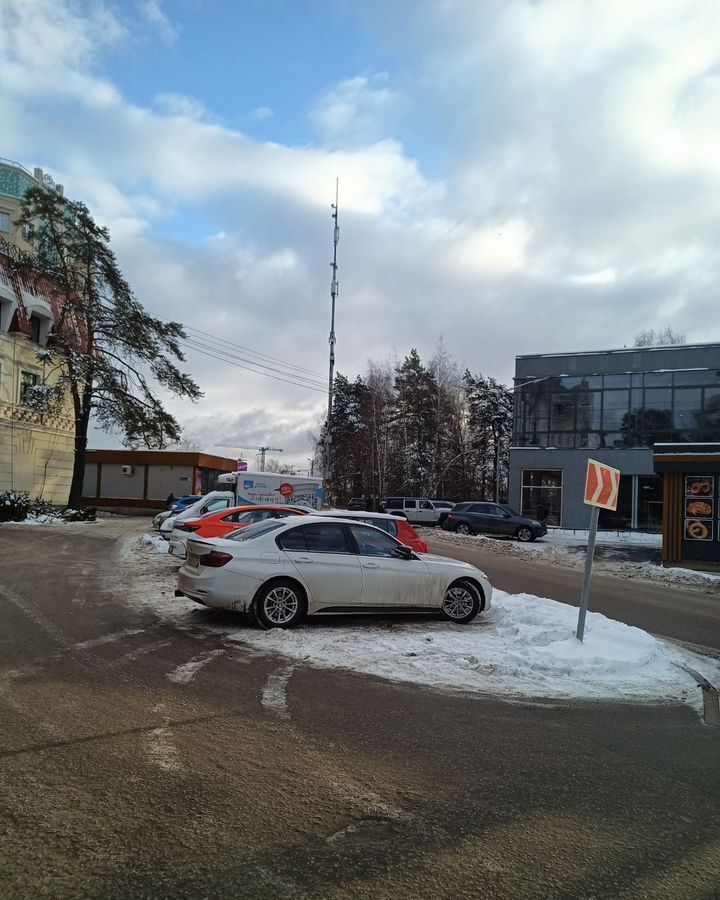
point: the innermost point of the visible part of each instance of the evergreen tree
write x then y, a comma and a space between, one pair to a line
112, 351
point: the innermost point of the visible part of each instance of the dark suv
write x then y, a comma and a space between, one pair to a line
492, 518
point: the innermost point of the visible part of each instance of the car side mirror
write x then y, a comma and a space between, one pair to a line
403, 553
507, 516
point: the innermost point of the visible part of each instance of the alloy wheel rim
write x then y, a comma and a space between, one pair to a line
280, 605
463, 529
524, 534
458, 602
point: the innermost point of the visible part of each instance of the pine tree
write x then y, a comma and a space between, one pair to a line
112, 351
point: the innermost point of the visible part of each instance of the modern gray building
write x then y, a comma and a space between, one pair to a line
613, 406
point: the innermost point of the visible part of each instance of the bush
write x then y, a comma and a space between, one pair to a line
40, 507
14, 506
86, 514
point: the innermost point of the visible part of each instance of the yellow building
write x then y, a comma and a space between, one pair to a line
36, 447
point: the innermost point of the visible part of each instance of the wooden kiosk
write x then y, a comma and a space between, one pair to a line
691, 504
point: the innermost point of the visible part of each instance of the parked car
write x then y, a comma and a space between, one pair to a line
493, 518
393, 525
211, 502
417, 510
281, 570
220, 524
357, 503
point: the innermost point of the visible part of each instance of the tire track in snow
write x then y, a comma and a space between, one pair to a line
274, 693
185, 673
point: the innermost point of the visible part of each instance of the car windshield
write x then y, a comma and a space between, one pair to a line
254, 531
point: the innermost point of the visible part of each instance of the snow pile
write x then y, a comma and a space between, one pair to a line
525, 646
156, 542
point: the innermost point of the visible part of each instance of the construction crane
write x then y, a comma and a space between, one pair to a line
261, 450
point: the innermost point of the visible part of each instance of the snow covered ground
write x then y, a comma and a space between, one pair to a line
524, 647
568, 549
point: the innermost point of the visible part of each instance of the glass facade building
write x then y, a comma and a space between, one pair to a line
613, 406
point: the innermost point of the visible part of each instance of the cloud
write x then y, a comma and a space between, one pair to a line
356, 111
531, 177
261, 114
152, 12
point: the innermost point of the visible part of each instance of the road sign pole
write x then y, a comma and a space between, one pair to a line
585, 596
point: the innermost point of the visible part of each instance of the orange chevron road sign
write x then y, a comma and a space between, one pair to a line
602, 485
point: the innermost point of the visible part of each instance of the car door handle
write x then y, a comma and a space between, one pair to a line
303, 559
369, 565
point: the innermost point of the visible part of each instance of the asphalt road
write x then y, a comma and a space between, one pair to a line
667, 610
139, 758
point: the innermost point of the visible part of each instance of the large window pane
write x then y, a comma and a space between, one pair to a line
588, 415
542, 494
711, 415
658, 379
649, 503
617, 381
703, 376
619, 519
687, 414
561, 439
562, 412
615, 409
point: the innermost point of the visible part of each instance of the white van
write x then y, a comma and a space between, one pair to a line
270, 487
418, 510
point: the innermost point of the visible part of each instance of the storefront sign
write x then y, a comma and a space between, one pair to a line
699, 508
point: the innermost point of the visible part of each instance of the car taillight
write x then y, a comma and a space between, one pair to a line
215, 559
450, 516
183, 527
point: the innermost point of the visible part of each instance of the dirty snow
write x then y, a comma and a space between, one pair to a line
525, 646
569, 552
156, 542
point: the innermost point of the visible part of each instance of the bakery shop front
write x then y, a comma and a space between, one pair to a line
691, 508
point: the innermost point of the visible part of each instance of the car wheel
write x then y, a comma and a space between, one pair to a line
464, 529
524, 534
461, 602
280, 604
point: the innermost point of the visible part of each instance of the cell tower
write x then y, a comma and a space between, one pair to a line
333, 300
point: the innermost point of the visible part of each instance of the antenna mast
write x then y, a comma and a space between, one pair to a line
333, 300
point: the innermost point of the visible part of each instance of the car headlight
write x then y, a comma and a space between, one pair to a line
536, 525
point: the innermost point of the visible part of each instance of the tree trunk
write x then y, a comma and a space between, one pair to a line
78, 476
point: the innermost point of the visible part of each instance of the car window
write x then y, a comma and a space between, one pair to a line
410, 504
394, 502
254, 531
246, 516
494, 510
316, 538
389, 526
426, 504
372, 542
292, 540
217, 505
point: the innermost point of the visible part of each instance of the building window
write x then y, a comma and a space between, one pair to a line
5, 222
634, 410
27, 380
542, 495
35, 329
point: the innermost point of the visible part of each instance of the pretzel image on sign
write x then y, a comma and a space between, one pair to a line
602, 484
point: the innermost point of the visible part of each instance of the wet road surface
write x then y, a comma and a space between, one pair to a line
143, 755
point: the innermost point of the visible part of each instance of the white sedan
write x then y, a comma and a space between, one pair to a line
281, 570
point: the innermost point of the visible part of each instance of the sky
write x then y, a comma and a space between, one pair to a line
516, 176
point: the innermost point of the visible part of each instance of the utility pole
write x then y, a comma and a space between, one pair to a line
333, 300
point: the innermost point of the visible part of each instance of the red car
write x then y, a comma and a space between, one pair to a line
394, 525
226, 521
